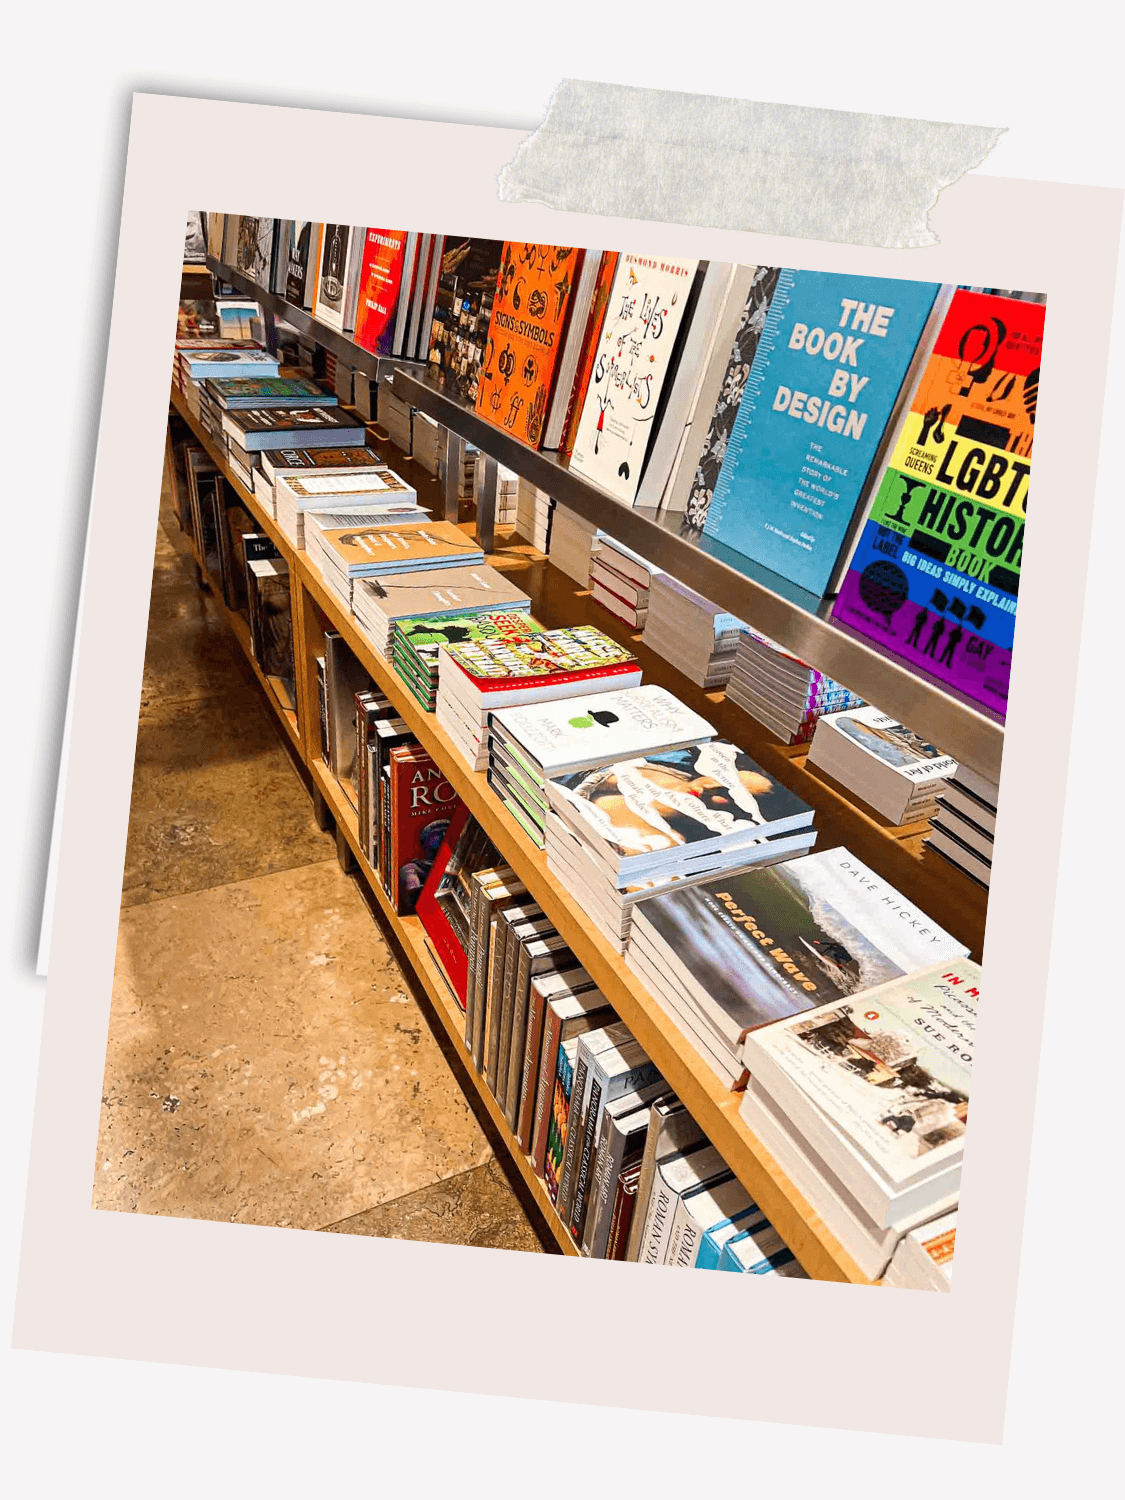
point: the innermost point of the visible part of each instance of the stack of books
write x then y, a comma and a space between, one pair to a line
373, 552
259, 428
738, 951
964, 825
242, 393
882, 763
278, 461
429, 441
397, 417
620, 579
475, 678
696, 636
579, 733
467, 472
419, 641
297, 493
570, 542
621, 834
507, 490
534, 511
221, 359
783, 692
380, 605
864, 1103
923, 1259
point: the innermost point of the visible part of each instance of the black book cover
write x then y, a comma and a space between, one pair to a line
459, 331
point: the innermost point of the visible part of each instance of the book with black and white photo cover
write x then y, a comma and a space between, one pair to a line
660, 811
924, 1258
458, 328
259, 428
880, 1088
575, 734
339, 265
637, 344
255, 249
869, 1243
758, 946
885, 764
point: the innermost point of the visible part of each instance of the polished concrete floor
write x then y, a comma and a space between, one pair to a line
266, 1062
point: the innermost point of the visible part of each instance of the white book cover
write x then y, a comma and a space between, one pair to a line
346, 487
675, 1177
699, 1211
889, 1071
638, 338
597, 729
888, 744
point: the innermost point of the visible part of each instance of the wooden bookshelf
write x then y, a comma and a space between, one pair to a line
898, 855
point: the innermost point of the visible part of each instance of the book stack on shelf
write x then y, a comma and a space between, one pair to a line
299, 494
263, 428
397, 417
507, 492
620, 579
470, 460
964, 825
733, 953
623, 833
419, 641
221, 359
782, 692
582, 731
571, 539
381, 604
375, 552
882, 763
478, 677
283, 461
923, 1259
864, 1105
429, 439
534, 510
697, 637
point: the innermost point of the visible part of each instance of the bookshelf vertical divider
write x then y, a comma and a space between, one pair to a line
713, 1106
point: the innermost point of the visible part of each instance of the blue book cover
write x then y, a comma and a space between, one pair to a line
711, 1245
826, 375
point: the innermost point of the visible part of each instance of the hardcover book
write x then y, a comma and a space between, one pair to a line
634, 355
443, 906
380, 286
422, 805
826, 375
303, 257
525, 333
255, 249
337, 251
462, 312
935, 576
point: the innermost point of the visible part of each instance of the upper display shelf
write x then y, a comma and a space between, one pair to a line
800, 626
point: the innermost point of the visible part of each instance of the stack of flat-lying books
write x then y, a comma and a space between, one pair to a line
696, 636
374, 552
507, 488
882, 763
397, 417
738, 951
242, 393
570, 542
620, 580
782, 692
964, 825
623, 833
223, 359
264, 427
301, 460
475, 678
534, 510
467, 471
381, 604
419, 641
864, 1103
923, 1259
530, 744
429, 439
295, 494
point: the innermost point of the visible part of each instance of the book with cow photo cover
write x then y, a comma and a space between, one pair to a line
444, 904
639, 815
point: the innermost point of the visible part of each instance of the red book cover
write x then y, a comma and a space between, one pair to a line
443, 906
380, 281
422, 805
525, 335
589, 350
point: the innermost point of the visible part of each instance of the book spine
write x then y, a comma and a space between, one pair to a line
496, 1003
607, 1169
491, 957
560, 1120
679, 1227
624, 1214
322, 703
529, 1075
476, 900
548, 1062
574, 1133
516, 974
658, 1221
576, 1212
517, 1043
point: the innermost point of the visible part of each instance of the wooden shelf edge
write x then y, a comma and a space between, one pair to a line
411, 934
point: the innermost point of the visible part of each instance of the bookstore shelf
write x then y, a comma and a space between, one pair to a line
963, 731
556, 600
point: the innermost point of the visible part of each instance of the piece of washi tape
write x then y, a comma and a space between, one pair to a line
783, 169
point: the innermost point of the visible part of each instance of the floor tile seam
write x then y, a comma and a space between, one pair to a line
329, 859
448, 1177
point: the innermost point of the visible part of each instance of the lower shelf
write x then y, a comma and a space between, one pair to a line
411, 934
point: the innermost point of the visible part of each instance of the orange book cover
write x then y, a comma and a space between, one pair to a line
533, 292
